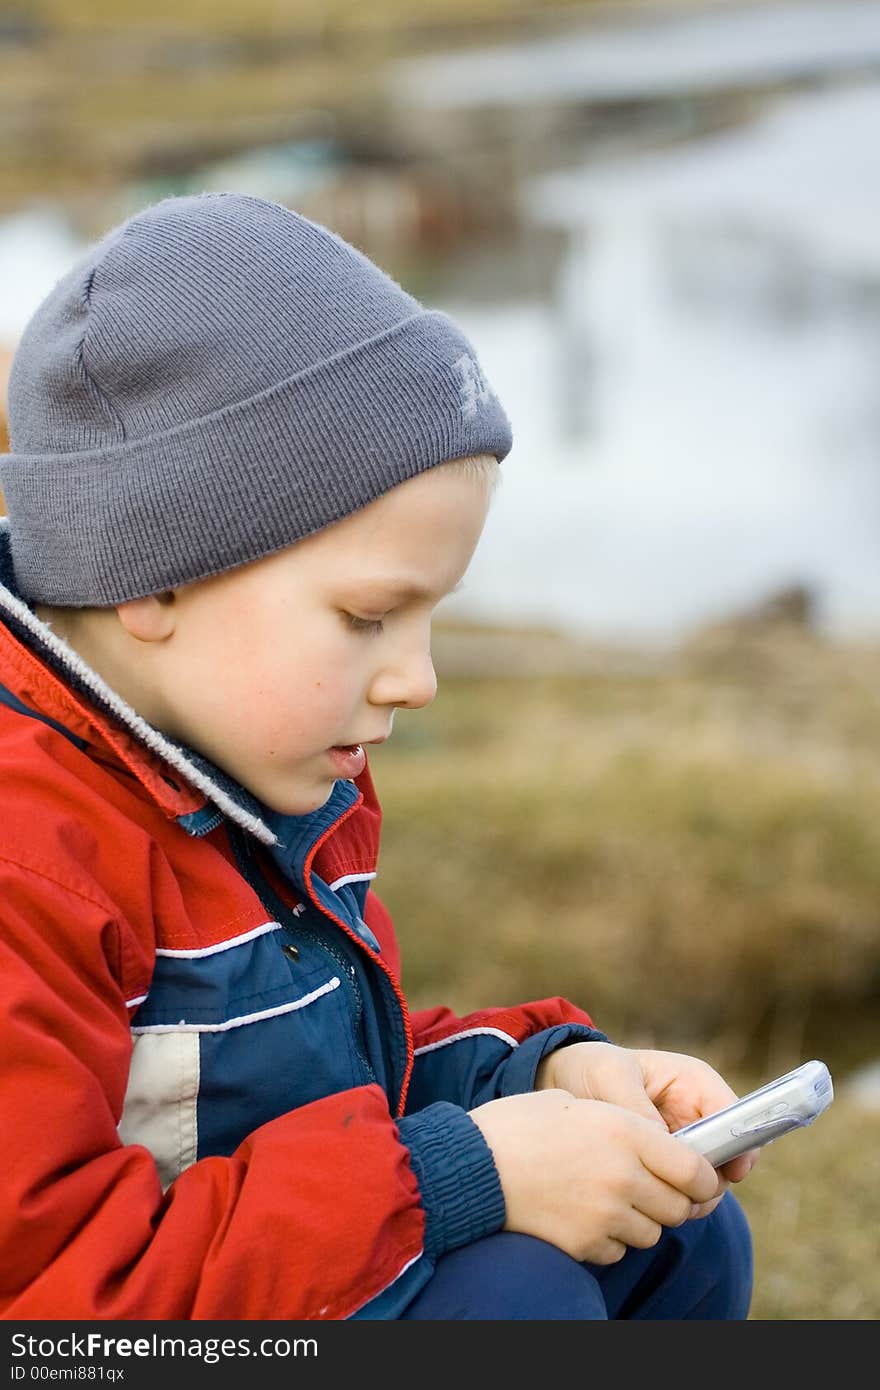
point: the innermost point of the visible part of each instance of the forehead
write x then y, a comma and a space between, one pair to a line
411, 534
416, 539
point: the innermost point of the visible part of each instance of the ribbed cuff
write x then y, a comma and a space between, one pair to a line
459, 1183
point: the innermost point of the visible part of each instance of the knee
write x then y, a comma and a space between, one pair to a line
509, 1276
544, 1281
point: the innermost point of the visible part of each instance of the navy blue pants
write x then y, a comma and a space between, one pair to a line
702, 1269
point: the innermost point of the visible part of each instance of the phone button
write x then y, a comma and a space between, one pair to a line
760, 1121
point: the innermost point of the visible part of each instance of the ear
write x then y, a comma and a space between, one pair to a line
149, 619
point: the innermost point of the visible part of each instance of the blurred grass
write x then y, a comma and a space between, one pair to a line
693, 847
96, 93
102, 91
688, 847
814, 1209
296, 16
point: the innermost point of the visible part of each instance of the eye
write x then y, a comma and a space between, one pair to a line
373, 625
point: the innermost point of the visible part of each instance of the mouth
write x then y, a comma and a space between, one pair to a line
349, 759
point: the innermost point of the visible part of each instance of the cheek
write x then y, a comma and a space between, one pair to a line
297, 694
270, 683
238, 681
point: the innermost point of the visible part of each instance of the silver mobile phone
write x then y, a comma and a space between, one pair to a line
788, 1103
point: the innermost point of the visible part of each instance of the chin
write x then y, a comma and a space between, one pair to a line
299, 803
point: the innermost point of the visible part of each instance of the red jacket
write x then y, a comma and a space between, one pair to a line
163, 1160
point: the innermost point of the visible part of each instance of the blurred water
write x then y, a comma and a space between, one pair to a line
658, 50
697, 411
696, 408
36, 248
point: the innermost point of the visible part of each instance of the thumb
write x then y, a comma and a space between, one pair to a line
639, 1102
627, 1089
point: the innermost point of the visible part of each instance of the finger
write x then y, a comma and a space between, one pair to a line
639, 1230
631, 1095
608, 1251
701, 1209
704, 1208
684, 1088
740, 1167
640, 1104
684, 1169
622, 1085
661, 1202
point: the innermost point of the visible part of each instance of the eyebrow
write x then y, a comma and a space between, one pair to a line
403, 590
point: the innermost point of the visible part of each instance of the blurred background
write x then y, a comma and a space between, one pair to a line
651, 780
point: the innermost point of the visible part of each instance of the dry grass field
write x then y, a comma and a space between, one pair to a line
688, 847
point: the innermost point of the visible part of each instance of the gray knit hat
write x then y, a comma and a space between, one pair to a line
215, 379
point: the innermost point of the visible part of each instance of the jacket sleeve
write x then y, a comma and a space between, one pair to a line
315, 1213
492, 1053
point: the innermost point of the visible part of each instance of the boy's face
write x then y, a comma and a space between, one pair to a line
267, 668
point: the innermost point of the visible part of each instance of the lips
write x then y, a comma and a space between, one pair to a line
348, 759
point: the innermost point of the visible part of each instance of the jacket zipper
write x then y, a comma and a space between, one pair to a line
296, 927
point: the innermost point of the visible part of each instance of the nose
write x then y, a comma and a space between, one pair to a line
406, 679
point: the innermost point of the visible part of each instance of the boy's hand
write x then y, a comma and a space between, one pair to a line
669, 1088
589, 1177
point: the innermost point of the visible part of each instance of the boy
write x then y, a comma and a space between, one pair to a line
245, 467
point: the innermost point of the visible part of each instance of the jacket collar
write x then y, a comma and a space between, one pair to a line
86, 704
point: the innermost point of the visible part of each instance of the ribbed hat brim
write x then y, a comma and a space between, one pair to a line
98, 527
